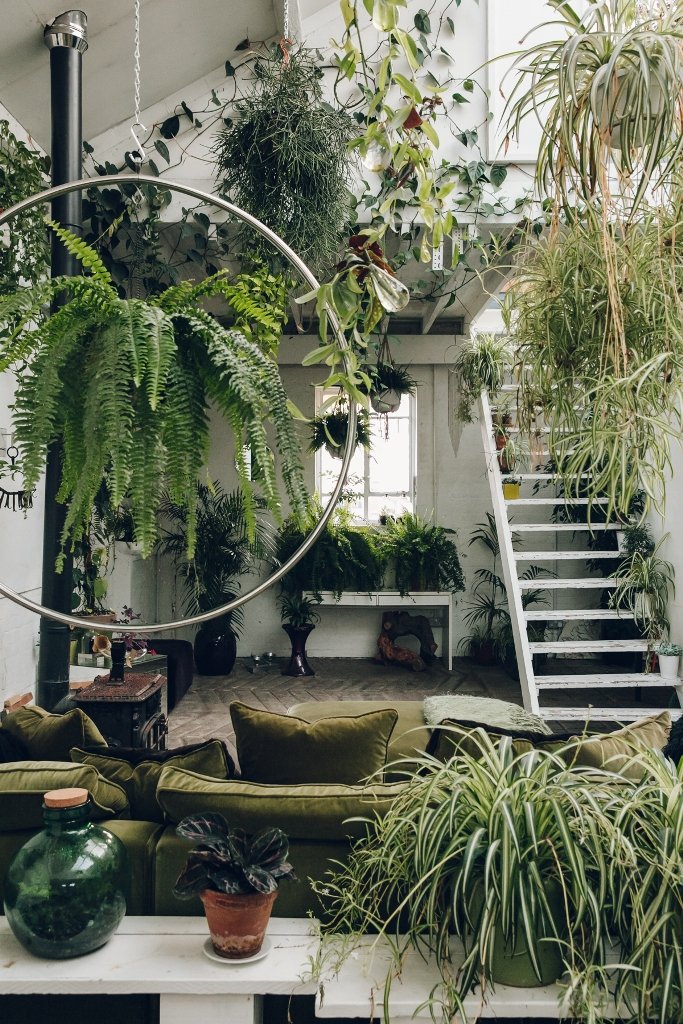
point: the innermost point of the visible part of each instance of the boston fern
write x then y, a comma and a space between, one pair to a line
228, 860
127, 383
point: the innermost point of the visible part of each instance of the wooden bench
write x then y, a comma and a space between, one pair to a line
410, 602
163, 955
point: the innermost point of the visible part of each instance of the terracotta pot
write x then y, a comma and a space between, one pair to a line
237, 922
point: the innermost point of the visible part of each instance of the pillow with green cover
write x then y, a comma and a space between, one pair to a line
137, 771
24, 783
284, 750
50, 737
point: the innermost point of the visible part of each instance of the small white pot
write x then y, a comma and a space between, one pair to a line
668, 665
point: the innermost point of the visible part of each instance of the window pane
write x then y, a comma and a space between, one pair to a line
393, 506
390, 457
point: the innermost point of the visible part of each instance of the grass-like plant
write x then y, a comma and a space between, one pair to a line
298, 610
284, 157
481, 366
596, 313
606, 85
644, 582
126, 385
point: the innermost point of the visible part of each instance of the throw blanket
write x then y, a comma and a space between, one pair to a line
484, 711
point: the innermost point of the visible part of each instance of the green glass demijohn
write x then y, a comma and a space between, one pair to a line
65, 889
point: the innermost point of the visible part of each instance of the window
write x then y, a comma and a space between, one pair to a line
381, 479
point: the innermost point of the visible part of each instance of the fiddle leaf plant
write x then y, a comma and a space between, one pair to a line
126, 385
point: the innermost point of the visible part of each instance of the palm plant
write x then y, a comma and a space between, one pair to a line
225, 549
126, 383
608, 89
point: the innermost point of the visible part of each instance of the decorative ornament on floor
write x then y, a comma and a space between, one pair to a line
237, 878
300, 619
396, 624
65, 890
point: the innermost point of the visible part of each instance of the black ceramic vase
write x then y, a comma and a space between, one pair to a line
215, 650
298, 666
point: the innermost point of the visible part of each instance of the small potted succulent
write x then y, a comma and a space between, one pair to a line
236, 877
668, 656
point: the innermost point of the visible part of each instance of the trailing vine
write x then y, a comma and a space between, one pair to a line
24, 254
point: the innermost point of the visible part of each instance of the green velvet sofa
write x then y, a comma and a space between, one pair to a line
314, 816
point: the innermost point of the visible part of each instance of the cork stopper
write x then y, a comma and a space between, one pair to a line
66, 797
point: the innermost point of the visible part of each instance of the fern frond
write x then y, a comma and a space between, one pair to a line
83, 252
149, 337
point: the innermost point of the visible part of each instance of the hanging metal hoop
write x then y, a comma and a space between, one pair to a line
222, 204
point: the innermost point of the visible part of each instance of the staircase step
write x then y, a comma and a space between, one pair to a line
591, 714
577, 614
587, 583
566, 556
586, 646
564, 528
556, 501
602, 681
551, 476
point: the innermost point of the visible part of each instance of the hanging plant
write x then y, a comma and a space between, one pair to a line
481, 366
610, 89
24, 253
330, 431
285, 158
126, 384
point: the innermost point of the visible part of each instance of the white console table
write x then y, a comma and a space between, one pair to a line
393, 599
163, 955
356, 990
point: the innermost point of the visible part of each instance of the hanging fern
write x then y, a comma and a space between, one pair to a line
126, 383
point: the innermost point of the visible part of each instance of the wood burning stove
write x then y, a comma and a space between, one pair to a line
128, 713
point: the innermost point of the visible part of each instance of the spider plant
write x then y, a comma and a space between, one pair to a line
507, 851
127, 383
644, 582
513, 453
607, 87
605, 363
481, 366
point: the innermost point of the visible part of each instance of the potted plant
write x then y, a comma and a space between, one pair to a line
236, 877
226, 548
644, 582
505, 850
284, 155
424, 555
330, 430
389, 383
127, 383
669, 656
299, 618
512, 486
482, 365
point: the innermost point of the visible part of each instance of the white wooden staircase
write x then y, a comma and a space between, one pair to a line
607, 693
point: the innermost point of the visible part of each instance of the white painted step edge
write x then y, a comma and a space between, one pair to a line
564, 528
586, 646
568, 583
577, 614
591, 714
644, 681
555, 501
563, 556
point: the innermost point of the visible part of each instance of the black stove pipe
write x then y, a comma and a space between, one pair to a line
66, 38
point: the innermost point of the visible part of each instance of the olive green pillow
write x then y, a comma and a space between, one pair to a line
281, 749
51, 737
618, 751
24, 783
314, 811
139, 780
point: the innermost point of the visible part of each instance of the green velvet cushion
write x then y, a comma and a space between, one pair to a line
51, 737
140, 839
139, 781
281, 749
23, 784
618, 751
313, 811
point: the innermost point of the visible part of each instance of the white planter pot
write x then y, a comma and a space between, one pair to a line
668, 665
385, 401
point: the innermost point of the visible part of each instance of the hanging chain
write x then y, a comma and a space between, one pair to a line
139, 154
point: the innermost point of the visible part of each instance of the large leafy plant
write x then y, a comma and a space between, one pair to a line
126, 384
424, 554
228, 860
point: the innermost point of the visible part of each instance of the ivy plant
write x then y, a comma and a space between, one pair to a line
127, 384
24, 252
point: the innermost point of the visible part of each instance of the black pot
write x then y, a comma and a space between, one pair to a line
215, 650
298, 666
